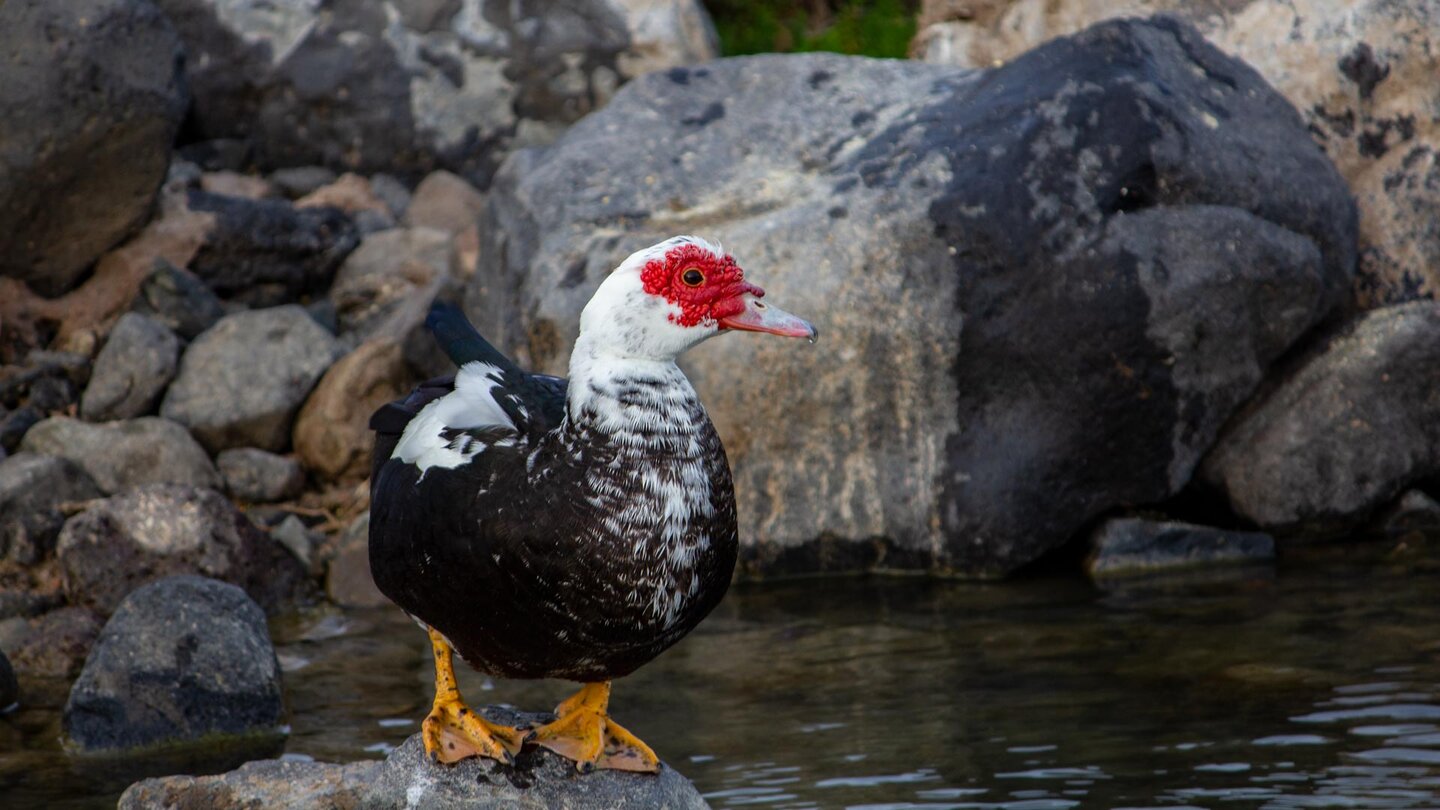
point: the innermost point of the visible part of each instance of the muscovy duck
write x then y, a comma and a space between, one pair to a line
545, 528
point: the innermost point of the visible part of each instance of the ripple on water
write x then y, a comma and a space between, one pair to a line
1393, 730
1223, 767
1292, 739
1090, 772
922, 775
1415, 739
1418, 756
1393, 711
1372, 700
1368, 688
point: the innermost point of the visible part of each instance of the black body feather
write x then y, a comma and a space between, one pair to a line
547, 553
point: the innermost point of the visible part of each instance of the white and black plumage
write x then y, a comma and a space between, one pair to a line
547, 528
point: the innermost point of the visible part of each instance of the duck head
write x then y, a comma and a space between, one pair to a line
670, 297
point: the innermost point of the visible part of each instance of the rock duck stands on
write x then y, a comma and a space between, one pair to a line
545, 528
405, 778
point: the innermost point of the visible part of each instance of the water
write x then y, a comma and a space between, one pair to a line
1318, 687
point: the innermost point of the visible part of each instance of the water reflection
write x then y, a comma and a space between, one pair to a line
1313, 688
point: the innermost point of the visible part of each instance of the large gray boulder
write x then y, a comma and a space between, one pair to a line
127, 541
92, 95
407, 778
1130, 226
123, 455
1355, 424
241, 382
182, 658
415, 85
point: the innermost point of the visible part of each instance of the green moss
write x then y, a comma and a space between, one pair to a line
865, 27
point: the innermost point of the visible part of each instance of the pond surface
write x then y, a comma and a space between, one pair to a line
1317, 686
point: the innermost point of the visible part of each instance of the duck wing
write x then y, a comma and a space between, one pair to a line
489, 402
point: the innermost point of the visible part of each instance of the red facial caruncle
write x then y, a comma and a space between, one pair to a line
704, 286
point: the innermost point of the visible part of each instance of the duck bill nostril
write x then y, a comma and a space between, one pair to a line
759, 317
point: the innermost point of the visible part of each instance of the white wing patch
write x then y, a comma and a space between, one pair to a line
471, 405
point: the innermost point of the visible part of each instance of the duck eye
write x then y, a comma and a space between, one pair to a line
693, 277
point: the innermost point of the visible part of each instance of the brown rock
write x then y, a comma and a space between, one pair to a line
446, 202
1362, 75
332, 433
350, 193
54, 645
467, 252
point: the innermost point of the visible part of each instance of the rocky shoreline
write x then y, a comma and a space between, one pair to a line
1112, 294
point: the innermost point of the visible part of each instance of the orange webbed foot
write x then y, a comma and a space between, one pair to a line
584, 733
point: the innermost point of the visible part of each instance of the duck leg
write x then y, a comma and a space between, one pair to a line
582, 731
453, 731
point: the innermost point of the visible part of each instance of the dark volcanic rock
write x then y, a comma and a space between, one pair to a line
1124, 546
92, 98
15, 424
23, 603
269, 252
1361, 74
349, 86
9, 687
181, 659
1130, 226
32, 486
131, 372
242, 381
258, 476
178, 299
129, 540
540, 781
46, 382
123, 455
1355, 424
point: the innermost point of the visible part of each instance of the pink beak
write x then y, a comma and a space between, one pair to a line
758, 316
